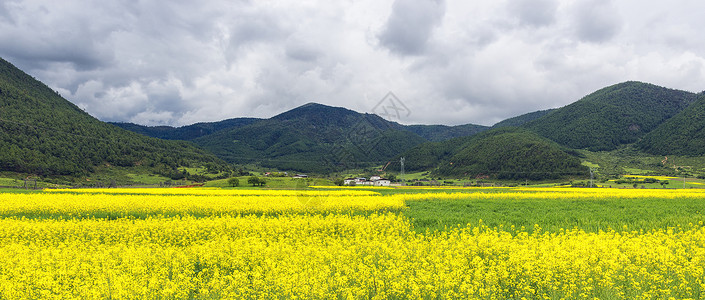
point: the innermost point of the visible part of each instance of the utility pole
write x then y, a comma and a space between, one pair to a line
592, 177
402, 170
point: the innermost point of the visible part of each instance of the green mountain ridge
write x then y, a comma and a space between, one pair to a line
42, 133
190, 132
512, 153
313, 138
611, 117
437, 133
185, 133
310, 138
522, 119
501, 153
683, 134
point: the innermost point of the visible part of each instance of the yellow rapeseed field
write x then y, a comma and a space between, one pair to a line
236, 244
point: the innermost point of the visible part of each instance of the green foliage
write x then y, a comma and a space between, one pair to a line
256, 181
41, 133
437, 133
233, 182
684, 134
428, 156
613, 116
511, 153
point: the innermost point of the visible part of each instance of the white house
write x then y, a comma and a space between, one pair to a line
374, 181
382, 182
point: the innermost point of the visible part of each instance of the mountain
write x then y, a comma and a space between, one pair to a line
313, 138
522, 119
611, 117
436, 133
512, 153
428, 156
502, 153
41, 133
683, 134
310, 138
185, 133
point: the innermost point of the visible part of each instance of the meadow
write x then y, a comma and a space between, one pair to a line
428, 243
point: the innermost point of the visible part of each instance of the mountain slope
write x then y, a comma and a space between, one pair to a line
437, 133
185, 133
613, 116
683, 134
313, 138
42, 133
512, 153
522, 119
503, 153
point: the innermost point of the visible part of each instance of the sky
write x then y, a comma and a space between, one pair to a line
179, 62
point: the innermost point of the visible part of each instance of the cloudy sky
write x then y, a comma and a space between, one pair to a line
450, 62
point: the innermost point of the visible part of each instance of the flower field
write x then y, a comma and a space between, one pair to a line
351, 244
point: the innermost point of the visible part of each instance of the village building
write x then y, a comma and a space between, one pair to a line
382, 182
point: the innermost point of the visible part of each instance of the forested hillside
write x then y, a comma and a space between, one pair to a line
522, 119
613, 116
428, 156
313, 138
185, 133
511, 153
503, 153
437, 133
684, 134
41, 133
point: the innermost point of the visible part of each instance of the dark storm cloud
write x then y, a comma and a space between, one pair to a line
450, 62
411, 25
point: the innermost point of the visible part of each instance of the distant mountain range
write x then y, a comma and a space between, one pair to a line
310, 138
194, 131
44, 134
185, 133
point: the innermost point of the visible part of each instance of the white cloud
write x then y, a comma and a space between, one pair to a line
454, 62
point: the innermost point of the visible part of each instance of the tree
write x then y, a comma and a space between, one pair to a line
234, 182
339, 182
254, 180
